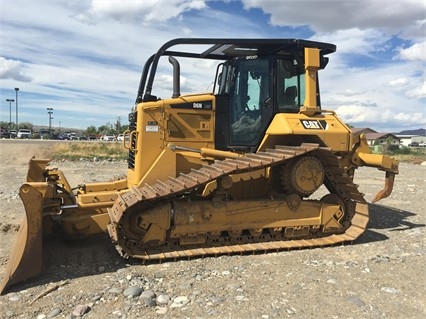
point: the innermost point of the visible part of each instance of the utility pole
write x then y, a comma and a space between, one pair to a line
50, 112
10, 112
16, 105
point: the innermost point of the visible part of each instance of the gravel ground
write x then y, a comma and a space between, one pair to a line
379, 276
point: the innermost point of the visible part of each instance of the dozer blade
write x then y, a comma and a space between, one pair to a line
26, 256
387, 190
37, 169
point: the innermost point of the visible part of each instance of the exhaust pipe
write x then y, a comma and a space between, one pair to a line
176, 76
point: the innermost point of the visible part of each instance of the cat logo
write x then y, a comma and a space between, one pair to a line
314, 124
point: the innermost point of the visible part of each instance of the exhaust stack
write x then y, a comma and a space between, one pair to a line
176, 76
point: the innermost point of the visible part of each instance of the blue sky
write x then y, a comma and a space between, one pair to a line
84, 58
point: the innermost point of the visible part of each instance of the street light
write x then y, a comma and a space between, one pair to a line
16, 90
50, 112
10, 112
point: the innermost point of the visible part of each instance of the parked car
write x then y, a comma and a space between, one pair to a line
12, 133
4, 134
24, 133
109, 137
63, 137
413, 144
422, 145
43, 134
72, 136
121, 137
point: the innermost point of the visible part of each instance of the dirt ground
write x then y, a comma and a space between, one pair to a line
380, 276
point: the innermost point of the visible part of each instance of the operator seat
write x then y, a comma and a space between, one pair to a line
290, 96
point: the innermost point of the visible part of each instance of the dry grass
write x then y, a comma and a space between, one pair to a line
101, 150
414, 156
115, 150
411, 158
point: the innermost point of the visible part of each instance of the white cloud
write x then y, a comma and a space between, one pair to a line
146, 11
418, 92
331, 15
353, 113
350, 92
410, 117
355, 40
399, 82
12, 69
361, 116
364, 97
415, 52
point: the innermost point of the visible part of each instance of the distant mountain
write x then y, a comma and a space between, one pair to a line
419, 131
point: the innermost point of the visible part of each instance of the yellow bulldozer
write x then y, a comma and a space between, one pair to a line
232, 170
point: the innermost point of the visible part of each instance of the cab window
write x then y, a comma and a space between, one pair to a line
249, 92
290, 86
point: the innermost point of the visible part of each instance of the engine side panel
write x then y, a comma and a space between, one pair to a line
187, 121
325, 129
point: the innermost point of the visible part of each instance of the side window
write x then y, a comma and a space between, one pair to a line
253, 91
224, 80
291, 86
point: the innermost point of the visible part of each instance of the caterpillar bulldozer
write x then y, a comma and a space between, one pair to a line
229, 171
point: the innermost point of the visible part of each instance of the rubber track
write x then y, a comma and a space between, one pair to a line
185, 183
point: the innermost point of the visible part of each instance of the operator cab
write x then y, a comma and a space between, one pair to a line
255, 79
251, 90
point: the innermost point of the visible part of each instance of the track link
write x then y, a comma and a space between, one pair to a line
141, 199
